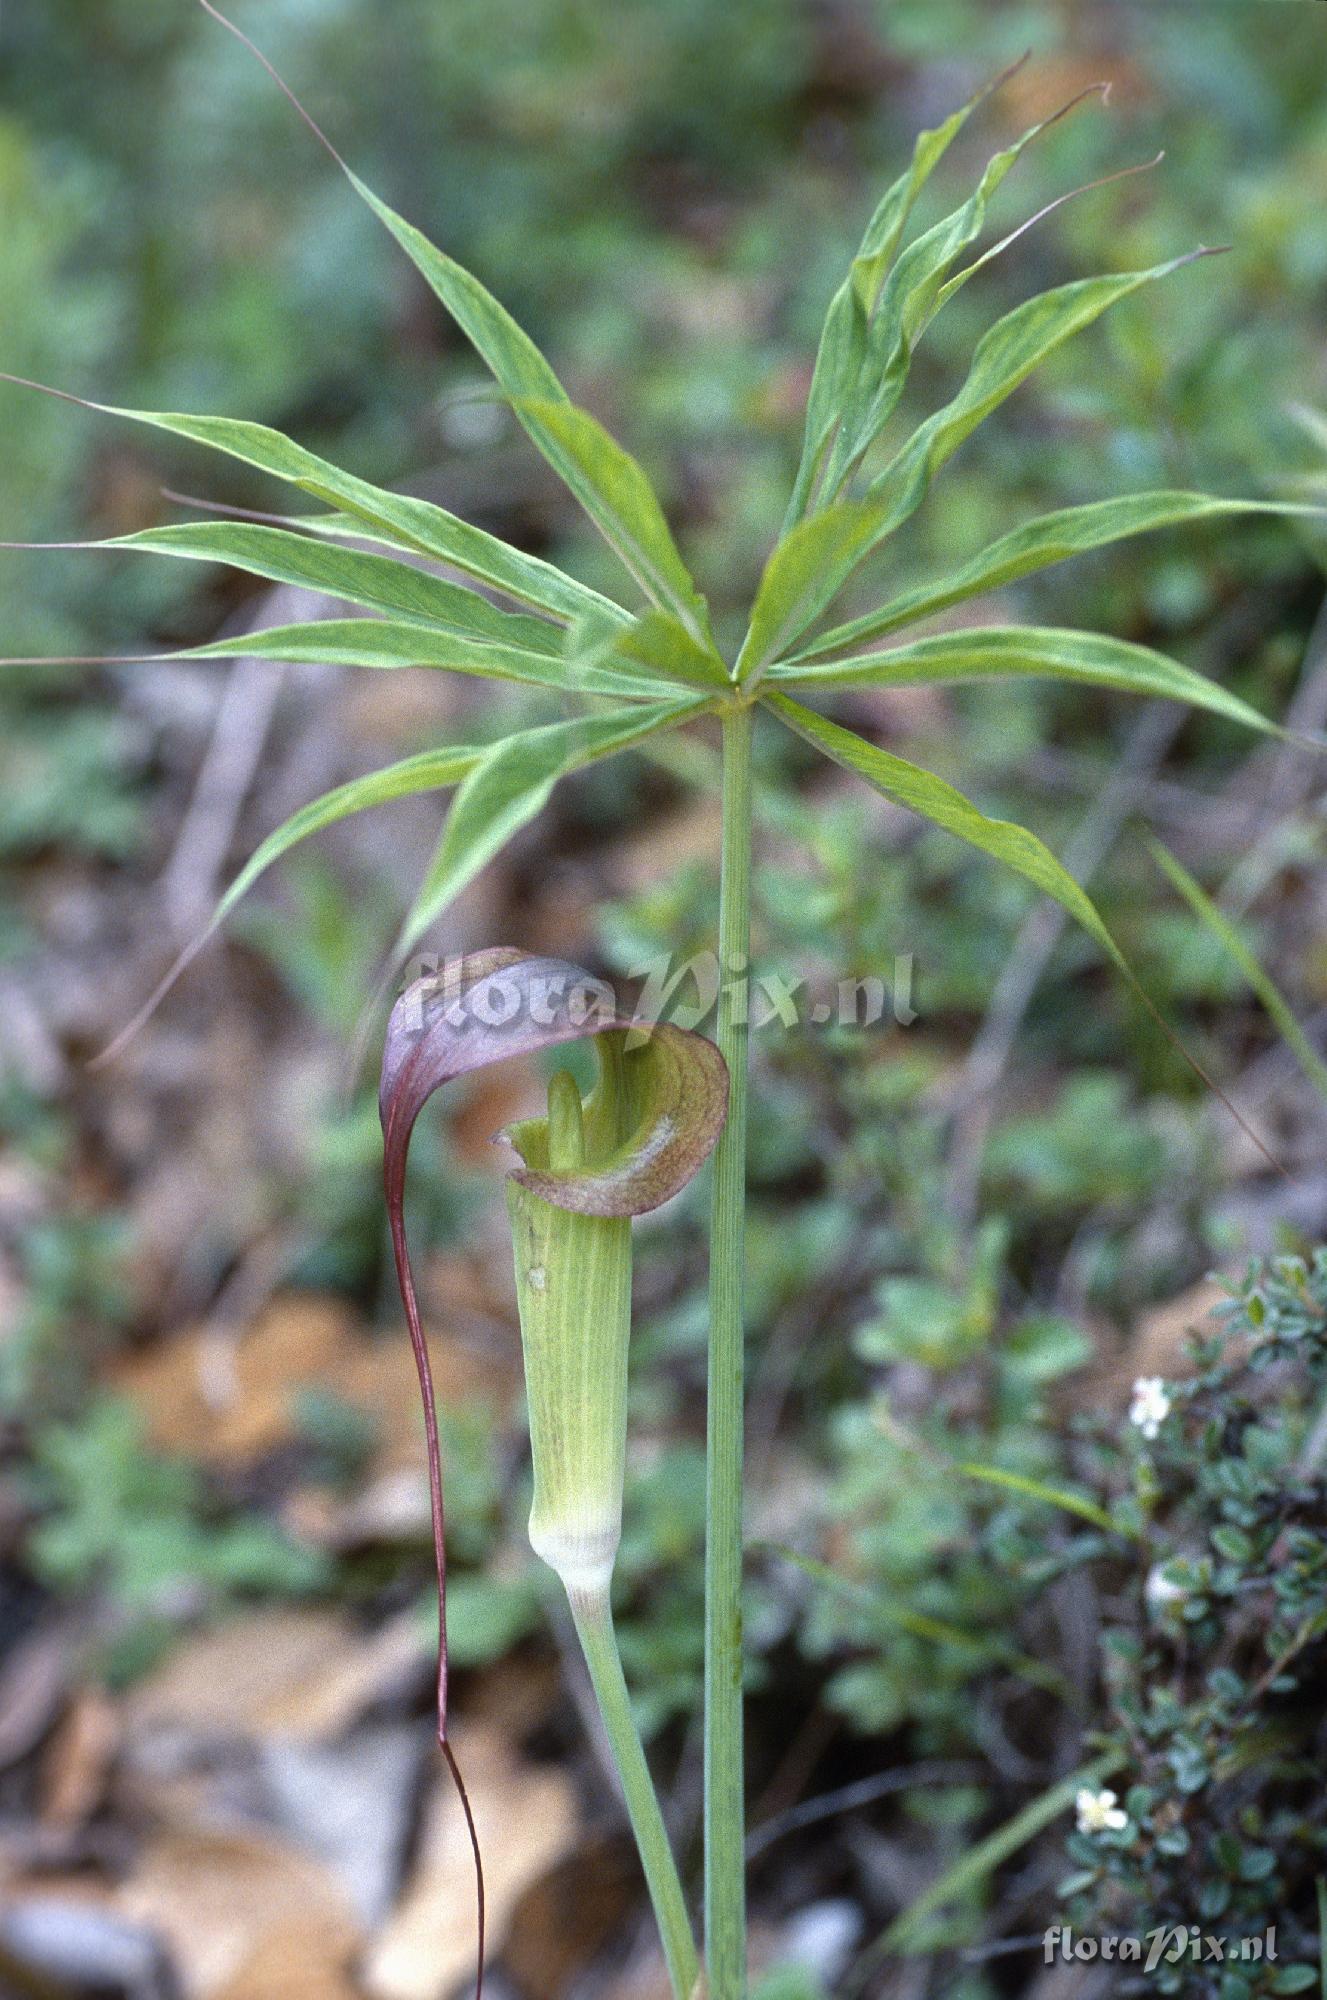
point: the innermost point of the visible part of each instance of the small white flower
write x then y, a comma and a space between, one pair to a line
1098, 1812
1150, 1406
1161, 1591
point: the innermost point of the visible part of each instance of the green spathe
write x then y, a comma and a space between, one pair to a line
573, 1287
585, 1170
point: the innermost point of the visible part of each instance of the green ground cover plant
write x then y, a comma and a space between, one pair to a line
1213, 1729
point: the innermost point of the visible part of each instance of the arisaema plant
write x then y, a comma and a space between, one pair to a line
439, 592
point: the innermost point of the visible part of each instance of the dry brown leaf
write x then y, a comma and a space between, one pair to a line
293, 1963
1160, 1344
526, 1816
222, 1897
516, 1695
228, 1400
393, 1508
645, 1979
34, 1681
564, 1920
491, 1100
38, 1882
361, 1676
393, 709
77, 1765
267, 1672
478, 1289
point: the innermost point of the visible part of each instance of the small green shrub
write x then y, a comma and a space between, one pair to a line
1214, 1655
142, 1530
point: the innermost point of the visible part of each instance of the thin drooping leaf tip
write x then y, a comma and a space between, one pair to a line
1101, 89
71, 659
37, 548
134, 1026
227, 510
1194, 256
1102, 181
277, 79
45, 389
1004, 76
1059, 201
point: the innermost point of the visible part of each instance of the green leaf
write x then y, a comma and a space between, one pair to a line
621, 502
917, 1624
907, 785
804, 573
654, 645
380, 583
510, 785
488, 1616
430, 771
812, 563
1295, 1978
1053, 1496
411, 524
1013, 845
390, 643
1261, 981
843, 337
481, 638
1006, 355
1052, 538
506, 349
978, 1863
913, 294
605, 479
1029, 651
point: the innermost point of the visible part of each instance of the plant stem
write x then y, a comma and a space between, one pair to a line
594, 1628
725, 1865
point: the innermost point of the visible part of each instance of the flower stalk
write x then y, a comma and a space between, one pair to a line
585, 1169
725, 1846
593, 1618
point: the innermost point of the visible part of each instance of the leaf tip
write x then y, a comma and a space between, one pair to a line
277, 79
1006, 75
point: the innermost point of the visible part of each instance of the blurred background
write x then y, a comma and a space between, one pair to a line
216, 1777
